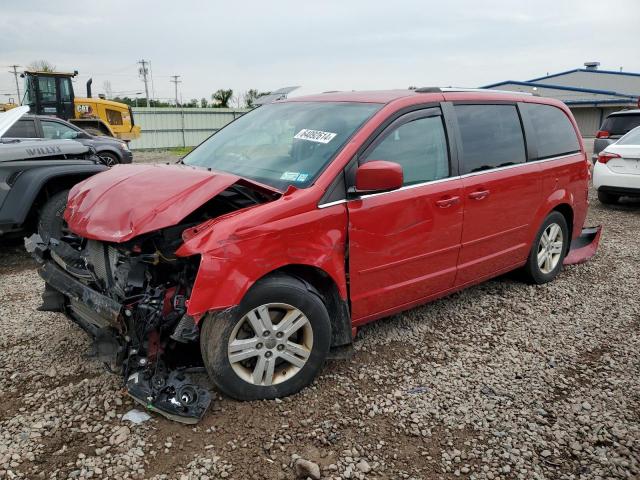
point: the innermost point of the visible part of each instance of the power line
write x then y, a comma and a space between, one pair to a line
175, 81
15, 75
144, 72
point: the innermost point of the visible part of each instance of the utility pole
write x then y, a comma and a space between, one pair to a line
15, 75
175, 81
144, 71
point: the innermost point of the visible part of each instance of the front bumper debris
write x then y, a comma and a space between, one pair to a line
171, 395
167, 391
584, 247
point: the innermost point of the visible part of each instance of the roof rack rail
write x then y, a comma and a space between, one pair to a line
428, 90
457, 89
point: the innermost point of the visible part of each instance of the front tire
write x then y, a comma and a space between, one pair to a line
608, 198
273, 346
51, 223
548, 250
109, 159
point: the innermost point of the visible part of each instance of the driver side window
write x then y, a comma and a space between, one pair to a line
419, 146
56, 130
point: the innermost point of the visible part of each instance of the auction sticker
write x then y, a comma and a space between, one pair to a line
294, 176
315, 135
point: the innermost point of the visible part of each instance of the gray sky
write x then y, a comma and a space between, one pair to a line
321, 45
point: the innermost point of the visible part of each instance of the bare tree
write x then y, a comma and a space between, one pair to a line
222, 98
42, 66
251, 96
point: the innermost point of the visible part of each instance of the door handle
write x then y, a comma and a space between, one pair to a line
447, 202
479, 195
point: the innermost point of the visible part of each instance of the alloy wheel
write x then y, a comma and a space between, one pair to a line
108, 160
270, 344
550, 248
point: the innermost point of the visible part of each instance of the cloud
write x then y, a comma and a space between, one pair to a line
326, 45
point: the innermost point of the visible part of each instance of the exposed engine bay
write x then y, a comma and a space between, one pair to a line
131, 297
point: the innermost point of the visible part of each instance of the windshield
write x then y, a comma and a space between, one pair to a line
282, 144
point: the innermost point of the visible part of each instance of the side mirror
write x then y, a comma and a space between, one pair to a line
83, 135
378, 176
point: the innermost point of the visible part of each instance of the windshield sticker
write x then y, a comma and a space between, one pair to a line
315, 135
294, 176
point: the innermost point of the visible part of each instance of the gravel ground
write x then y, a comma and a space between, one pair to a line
503, 380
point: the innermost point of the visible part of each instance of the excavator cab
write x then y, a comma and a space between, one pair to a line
50, 93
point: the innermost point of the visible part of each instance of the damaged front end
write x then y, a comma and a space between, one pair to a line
131, 298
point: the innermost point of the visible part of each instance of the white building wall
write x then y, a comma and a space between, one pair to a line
588, 120
174, 127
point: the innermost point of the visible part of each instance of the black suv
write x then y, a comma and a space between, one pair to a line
35, 177
110, 150
615, 126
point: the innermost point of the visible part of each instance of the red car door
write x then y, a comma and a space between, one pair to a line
501, 191
403, 244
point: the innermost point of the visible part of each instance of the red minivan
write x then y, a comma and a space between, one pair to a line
278, 236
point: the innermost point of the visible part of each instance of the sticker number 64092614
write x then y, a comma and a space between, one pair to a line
315, 135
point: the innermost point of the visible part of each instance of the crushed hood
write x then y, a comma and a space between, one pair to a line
129, 200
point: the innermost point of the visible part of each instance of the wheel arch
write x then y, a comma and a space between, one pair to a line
34, 187
567, 212
325, 285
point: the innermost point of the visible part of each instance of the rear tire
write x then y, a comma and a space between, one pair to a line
51, 223
608, 198
274, 344
549, 248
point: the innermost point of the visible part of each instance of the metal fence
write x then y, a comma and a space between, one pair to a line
179, 127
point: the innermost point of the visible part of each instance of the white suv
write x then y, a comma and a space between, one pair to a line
617, 171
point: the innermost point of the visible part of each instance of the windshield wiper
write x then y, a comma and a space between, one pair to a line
245, 192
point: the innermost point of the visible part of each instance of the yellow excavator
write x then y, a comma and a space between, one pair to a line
51, 93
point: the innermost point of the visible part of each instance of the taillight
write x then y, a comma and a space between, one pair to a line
602, 134
604, 157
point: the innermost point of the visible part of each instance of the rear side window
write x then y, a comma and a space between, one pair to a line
22, 129
553, 129
631, 138
491, 136
620, 124
420, 146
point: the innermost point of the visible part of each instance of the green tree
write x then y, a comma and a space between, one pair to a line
204, 103
251, 96
42, 66
222, 98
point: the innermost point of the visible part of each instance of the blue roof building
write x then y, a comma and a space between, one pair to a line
590, 93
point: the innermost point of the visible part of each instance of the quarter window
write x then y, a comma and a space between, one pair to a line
553, 130
22, 129
420, 147
491, 136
